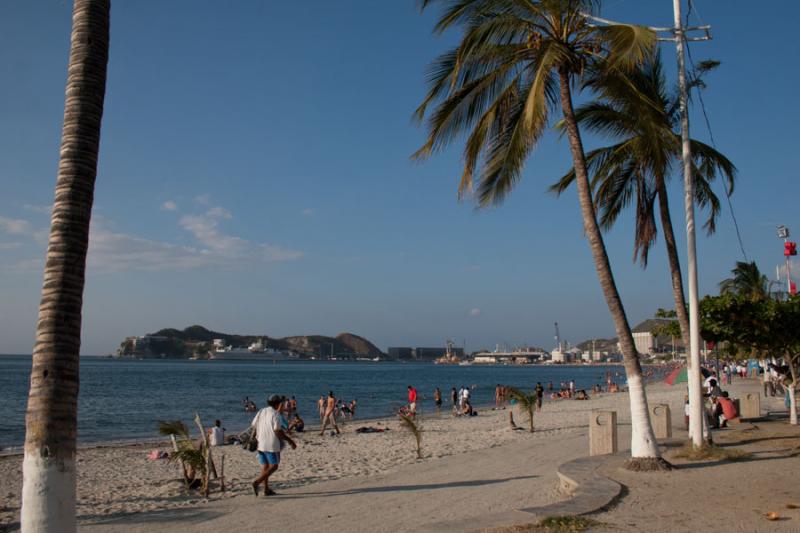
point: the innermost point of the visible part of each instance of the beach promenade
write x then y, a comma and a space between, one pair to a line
472, 468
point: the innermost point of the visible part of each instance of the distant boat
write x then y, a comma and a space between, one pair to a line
255, 352
449, 358
257, 347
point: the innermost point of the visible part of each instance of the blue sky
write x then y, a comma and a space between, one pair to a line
255, 177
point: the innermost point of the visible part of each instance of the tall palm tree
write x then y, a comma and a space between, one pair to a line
636, 110
517, 62
747, 281
49, 482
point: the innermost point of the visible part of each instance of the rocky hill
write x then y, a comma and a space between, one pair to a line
198, 340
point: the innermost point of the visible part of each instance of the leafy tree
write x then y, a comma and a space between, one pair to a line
51, 421
516, 63
638, 111
766, 326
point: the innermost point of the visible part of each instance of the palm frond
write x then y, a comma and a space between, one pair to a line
173, 428
629, 45
415, 429
526, 403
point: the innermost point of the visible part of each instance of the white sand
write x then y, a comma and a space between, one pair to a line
353, 482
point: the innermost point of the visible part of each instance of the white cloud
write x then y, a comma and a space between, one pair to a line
45, 209
18, 226
111, 250
308, 211
474, 311
15, 226
794, 272
219, 212
169, 205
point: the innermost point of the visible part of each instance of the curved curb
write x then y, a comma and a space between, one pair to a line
588, 490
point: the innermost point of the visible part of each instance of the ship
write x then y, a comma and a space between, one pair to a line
257, 351
449, 358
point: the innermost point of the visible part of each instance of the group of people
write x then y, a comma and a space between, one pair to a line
248, 405
340, 409
719, 407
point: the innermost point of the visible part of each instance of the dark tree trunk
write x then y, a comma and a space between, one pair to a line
48, 496
674, 262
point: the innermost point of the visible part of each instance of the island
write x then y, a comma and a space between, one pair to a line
198, 342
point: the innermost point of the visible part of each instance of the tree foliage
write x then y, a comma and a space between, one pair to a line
637, 111
499, 86
747, 280
767, 327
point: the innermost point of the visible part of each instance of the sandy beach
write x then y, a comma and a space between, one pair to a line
470, 466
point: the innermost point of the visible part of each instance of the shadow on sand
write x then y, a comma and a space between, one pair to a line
405, 488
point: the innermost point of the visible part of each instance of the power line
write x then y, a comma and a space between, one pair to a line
711, 137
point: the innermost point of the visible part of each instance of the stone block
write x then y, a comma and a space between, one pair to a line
660, 417
751, 405
602, 432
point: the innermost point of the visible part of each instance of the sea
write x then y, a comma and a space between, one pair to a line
123, 400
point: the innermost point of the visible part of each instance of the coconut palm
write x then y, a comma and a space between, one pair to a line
747, 281
49, 482
636, 109
516, 64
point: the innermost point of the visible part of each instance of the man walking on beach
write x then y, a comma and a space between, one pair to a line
321, 408
329, 416
269, 434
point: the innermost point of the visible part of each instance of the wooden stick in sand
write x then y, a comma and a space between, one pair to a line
183, 465
222, 473
206, 453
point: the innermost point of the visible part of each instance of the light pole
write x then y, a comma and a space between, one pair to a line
693, 370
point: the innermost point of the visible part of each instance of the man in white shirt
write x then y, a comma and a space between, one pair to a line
216, 434
269, 433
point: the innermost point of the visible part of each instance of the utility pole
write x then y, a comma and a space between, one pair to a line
678, 34
696, 414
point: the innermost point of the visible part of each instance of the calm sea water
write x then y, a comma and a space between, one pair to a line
122, 400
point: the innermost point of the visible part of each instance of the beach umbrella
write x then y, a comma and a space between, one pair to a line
679, 375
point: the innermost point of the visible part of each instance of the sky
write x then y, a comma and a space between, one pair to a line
255, 178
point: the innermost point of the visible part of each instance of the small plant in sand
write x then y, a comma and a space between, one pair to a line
192, 458
526, 403
551, 524
415, 429
710, 452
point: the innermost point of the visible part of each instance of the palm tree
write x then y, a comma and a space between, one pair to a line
636, 109
526, 403
517, 62
49, 482
747, 281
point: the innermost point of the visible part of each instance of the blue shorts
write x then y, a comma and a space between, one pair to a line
272, 458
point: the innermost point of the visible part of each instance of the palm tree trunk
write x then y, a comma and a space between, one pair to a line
643, 441
48, 470
792, 392
674, 263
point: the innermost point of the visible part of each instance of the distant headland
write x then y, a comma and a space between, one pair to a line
198, 342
